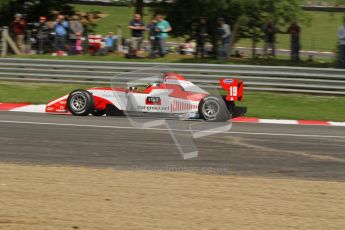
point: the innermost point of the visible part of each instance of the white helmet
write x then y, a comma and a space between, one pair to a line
153, 84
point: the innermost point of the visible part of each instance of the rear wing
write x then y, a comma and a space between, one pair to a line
234, 89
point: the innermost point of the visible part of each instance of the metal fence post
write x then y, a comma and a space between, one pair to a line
119, 36
8, 40
3, 41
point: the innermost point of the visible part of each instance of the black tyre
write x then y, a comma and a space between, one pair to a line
213, 108
97, 112
80, 102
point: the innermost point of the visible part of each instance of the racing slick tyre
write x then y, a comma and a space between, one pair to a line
213, 108
80, 102
98, 113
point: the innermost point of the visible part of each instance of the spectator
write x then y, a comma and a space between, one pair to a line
110, 42
270, 31
76, 31
201, 35
42, 35
225, 33
187, 48
18, 28
79, 44
85, 22
60, 29
152, 37
137, 26
163, 28
103, 50
295, 30
341, 54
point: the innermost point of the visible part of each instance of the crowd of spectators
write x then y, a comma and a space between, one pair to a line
60, 36
158, 30
68, 37
202, 35
270, 31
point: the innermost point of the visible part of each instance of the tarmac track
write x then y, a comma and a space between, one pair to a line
269, 150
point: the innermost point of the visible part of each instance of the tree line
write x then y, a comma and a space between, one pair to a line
246, 17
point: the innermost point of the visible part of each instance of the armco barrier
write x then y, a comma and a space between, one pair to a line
259, 78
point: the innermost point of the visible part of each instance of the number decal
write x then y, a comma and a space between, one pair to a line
153, 101
233, 91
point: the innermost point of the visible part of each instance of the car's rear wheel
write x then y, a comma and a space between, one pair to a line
80, 102
213, 108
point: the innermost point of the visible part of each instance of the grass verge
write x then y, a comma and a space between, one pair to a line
36, 93
260, 104
295, 106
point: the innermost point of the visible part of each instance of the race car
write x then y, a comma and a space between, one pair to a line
173, 94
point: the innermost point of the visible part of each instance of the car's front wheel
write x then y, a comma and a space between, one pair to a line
80, 102
213, 108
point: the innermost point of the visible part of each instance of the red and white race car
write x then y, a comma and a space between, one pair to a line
172, 95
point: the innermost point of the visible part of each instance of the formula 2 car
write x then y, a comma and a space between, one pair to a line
172, 95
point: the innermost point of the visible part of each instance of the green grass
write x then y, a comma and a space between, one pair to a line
320, 34
36, 93
260, 104
295, 106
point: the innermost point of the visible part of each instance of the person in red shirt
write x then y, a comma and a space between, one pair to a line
18, 28
294, 30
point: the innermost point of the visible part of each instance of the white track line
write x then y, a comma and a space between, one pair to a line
164, 129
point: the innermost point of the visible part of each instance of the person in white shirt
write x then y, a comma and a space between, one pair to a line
225, 34
341, 54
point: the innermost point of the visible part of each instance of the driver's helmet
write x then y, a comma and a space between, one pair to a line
132, 88
152, 84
